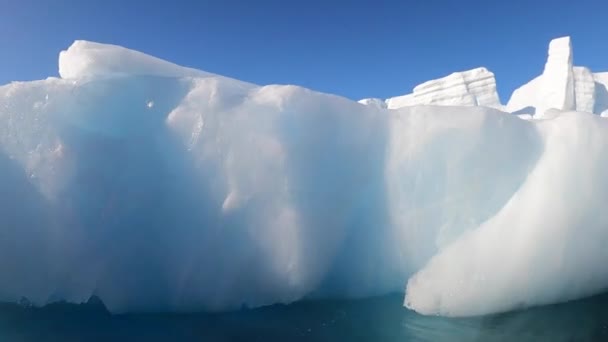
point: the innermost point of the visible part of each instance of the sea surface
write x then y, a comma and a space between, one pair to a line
372, 319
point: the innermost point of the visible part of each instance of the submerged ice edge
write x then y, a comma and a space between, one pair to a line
161, 188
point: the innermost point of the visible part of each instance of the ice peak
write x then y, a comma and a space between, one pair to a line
561, 44
558, 78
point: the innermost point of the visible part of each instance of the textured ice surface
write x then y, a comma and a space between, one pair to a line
378, 103
157, 187
476, 87
584, 90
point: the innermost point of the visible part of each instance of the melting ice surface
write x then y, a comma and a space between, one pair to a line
161, 188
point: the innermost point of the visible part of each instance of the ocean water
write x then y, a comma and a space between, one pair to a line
373, 319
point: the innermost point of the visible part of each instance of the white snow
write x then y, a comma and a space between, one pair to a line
162, 188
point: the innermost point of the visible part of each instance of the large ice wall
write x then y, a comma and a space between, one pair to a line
157, 187
163, 190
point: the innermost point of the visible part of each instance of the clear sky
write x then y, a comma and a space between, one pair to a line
352, 48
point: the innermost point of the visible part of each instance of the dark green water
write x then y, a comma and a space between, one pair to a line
375, 319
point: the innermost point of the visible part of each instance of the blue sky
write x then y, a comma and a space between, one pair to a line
352, 48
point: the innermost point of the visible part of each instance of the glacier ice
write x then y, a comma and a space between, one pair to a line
157, 187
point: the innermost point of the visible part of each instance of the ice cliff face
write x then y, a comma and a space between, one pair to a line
163, 188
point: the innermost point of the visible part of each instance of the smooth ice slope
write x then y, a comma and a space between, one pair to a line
161, 188
476, 87
546, 244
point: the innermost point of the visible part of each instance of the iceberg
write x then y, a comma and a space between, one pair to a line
157, 187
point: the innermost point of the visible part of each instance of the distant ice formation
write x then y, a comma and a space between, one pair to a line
561, 86
475, 87
162, 188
